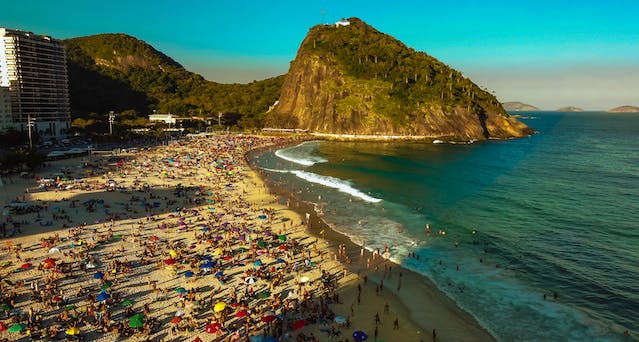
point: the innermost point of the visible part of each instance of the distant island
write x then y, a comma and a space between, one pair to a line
570, 109
518, 107
625, 109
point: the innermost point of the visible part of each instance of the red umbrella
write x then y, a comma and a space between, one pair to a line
213, 328
299, 324
241, 313
197, 339
269, 318
3, 327
282, 247
170, 261
228, 257
153, 238
25, 266
176, 320
49, 263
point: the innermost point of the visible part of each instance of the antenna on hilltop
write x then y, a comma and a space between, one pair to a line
323, 14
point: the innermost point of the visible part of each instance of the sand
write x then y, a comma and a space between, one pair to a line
131, 233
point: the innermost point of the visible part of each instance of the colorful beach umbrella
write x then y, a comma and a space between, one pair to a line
70, 307
176, 320
103, 296
106, 285
3, 327
213, 328
5, 307
220, 306
25, 266
269, 318
18, 327
170, 262
136, 321
128, 303
98, 275
282, 237
72, 331
360, 335
188, 274
180, 290
241, 313
250, 280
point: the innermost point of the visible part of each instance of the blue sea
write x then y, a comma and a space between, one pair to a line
555, 214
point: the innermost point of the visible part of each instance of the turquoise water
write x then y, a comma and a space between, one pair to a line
556, 213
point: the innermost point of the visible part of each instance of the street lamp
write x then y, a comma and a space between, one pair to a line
111, 119
30, 123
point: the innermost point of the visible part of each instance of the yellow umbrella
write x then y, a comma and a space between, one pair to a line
173, 253
219, 306
72, 331
217, 251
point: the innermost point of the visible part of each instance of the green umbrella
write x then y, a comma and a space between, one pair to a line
261, 244
5, 307
282, 237
117, 236
70, 307
17, 327
263, 294
127, 303
180, 290
242, 249
136, 321
106, 285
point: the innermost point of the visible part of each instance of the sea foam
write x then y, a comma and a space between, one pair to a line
301, 154
331, 182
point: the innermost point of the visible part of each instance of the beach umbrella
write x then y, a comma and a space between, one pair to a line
170, 262
98, 275
304, 279
241, 313
263, 294
49, 263
360, 335
219, 274
213, 328
128, 303
257, 263
207, 265
25, 266
176, 320
179, 313
220, 306
217, 251
299, 324
17, 327
5, 307
180, 290
154, 238
103, 296
206, 229
262, 217
340, 319
54, 250
70, 307
136, 321
3, 327
106, 285
280, 261
188, 274
250, 280
268, 318
72, 331
261, 244
228, 257
282, 237
90, 265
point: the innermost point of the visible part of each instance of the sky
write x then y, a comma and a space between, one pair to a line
546, 53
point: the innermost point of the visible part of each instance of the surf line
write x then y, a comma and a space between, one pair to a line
331, 182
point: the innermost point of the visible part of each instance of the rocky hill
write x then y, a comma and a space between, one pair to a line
570, 109
625, 109
518, 107
119, 72
356, 80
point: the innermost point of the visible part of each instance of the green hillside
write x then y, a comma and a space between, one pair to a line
119, 72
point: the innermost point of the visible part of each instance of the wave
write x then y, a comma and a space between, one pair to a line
331, 182
301, 154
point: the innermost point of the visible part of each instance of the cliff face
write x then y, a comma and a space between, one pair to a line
356, 80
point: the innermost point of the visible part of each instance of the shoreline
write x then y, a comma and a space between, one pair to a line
416, 291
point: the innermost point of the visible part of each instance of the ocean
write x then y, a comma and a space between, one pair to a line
538, 238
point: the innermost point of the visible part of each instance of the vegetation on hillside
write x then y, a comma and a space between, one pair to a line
417, 81
117, 72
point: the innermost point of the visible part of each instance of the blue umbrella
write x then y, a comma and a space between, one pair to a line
103, 296
360, 335
280, 261
206, 229
257, 263
188, 274
98, 275
219, 274
207, 258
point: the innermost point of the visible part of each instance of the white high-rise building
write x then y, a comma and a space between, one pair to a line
34, 69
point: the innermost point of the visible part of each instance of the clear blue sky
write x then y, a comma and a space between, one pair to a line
547, 53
